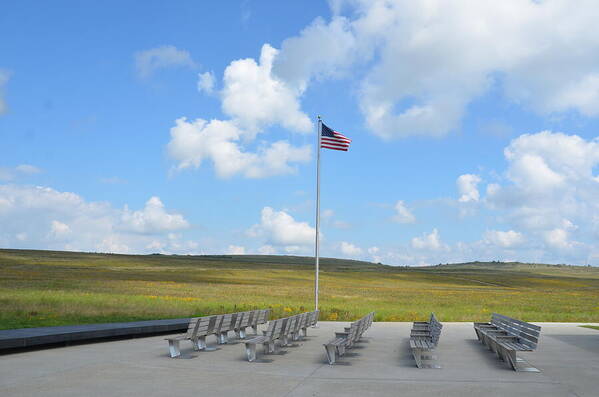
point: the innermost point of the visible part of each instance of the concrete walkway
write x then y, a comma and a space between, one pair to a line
568, 357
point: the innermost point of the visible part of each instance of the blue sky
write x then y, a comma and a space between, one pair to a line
190, 128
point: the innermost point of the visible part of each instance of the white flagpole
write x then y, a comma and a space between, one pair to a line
317, 250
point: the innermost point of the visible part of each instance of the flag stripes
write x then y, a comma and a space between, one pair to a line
333, 140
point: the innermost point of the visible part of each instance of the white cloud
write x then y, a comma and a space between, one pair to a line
403, 214
559, 156
6, 174
557, 238
59, 230
220, 141
267, 250
236, 250
27, 169
430, 241
168, 56
280, 229
328, 213
328, 216
411, 81
10, 173
4, 76
468, 187
551, 180
299, 62
254, 98
349, 249
337, 224
374, 252
152, 219
206, 82
503, 239
551, 192
45, 218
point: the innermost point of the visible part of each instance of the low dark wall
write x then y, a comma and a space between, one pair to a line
30, 337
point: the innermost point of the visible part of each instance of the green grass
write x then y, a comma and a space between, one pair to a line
43, 288
590, 326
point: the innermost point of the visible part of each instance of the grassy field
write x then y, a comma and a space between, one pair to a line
591, 327
41, 288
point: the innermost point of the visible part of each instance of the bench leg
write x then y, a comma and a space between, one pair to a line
519, 364
330, 350
250, 351
509, 356
485, 340
201, 343
222, 338
265, 348
417, 353
241, 333
425, 358
341, 350
173, 347
478, 334
304, 332
491, 344
273, 347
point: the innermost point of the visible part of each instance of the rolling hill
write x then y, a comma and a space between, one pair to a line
39, 288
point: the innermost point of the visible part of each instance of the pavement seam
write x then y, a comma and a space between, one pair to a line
303, 380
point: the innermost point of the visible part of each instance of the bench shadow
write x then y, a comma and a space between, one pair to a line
488, 354
262, 361
186, 356
406, 359
341, 363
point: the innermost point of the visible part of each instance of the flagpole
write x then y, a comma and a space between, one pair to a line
317, 249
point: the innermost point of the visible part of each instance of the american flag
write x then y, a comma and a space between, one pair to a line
330, 139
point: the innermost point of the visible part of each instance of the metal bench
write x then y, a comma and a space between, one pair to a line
302, 323
261, 317
198, 329
345, 340
279, 333
505, 336
364, 325
424, 338
289, 329
219, 325
313, 320
267, 340
237, 323
223, 327
173, 342
244, 319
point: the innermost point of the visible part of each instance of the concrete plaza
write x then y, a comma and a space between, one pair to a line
568, 357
